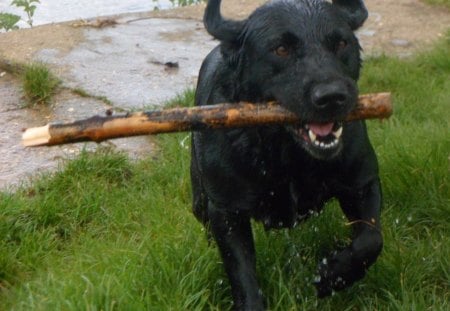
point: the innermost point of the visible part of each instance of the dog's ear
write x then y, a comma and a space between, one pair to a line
354, 10
219, 27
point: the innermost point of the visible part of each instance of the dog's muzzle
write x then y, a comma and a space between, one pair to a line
329, 104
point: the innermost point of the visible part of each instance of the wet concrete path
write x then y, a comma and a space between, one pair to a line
135, 63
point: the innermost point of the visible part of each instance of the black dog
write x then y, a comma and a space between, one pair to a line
304, 55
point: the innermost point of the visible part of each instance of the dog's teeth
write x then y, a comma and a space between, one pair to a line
329, 145
312, 136
338, 132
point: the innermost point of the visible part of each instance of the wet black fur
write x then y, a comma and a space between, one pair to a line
268, 173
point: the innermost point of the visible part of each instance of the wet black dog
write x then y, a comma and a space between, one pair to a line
304, 55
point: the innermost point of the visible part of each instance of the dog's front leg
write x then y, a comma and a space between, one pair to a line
233, 234
343, 268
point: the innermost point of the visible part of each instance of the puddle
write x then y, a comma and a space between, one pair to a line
55, 11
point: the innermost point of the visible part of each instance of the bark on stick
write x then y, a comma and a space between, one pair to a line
100, 128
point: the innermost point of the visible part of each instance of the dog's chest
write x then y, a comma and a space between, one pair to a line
290, 198
291, 189
287, 184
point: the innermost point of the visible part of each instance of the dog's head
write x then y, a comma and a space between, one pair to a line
300, 53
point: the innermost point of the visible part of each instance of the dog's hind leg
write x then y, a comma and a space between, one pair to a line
233, 234
342, 269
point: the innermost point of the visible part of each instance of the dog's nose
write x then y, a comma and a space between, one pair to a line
332, 95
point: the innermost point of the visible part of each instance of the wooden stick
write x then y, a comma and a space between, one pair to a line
99, 128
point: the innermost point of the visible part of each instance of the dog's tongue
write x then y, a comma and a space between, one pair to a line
321, 129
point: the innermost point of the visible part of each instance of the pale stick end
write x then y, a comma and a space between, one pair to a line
36, 136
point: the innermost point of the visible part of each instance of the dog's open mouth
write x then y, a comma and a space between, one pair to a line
319, 136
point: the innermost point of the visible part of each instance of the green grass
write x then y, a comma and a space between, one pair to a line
39, 84
106, 233
83, 93
445, 3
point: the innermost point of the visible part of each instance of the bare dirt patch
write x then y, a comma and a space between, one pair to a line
399, 27
403, 27
21, 45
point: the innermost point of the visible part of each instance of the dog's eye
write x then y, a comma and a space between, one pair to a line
282, 51
340, 45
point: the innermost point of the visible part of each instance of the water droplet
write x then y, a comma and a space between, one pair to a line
183, 143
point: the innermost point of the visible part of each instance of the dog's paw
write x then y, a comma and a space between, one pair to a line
337, 272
